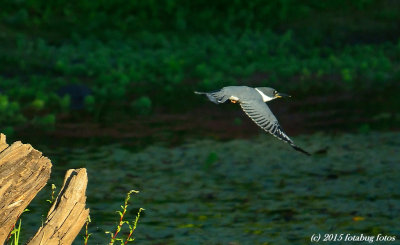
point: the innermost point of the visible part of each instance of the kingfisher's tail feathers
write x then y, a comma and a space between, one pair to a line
216, 96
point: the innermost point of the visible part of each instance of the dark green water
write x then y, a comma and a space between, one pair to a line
256, 191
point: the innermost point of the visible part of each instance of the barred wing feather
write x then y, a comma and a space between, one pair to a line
260, 113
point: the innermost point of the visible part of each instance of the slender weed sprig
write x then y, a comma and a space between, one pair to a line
51, 200
16, 231
133, 228
53, 190
87, 235
122, 222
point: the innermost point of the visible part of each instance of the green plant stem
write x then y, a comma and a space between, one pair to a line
87, 235
16, 235
134, 226
12, 229
121, 222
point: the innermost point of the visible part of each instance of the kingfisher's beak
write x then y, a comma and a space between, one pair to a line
281, 95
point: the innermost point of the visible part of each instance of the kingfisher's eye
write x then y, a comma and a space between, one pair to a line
275, 92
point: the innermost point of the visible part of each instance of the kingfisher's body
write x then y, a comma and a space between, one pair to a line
238, 93
252, 101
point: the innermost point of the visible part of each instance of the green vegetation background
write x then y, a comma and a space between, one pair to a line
140, 57
109, 61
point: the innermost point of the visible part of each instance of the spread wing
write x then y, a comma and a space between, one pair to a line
260, 113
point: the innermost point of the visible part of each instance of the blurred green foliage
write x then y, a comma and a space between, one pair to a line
136, 56
46, 122
118, 16
142, 105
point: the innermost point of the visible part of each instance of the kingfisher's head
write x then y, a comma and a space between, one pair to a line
269, 94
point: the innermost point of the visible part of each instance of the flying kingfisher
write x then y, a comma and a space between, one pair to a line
252, 101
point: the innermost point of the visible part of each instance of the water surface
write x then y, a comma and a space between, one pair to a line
254, 191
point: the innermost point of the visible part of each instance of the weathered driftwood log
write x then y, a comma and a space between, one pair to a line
23, 173
68, 213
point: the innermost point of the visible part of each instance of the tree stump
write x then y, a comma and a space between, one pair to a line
23, 173
68, 214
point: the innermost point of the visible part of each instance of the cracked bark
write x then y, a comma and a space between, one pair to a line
23, 173
68, 214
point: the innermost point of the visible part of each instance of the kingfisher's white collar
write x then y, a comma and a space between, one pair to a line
265, 97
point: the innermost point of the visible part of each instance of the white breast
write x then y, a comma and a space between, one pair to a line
234, 98
265, 97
